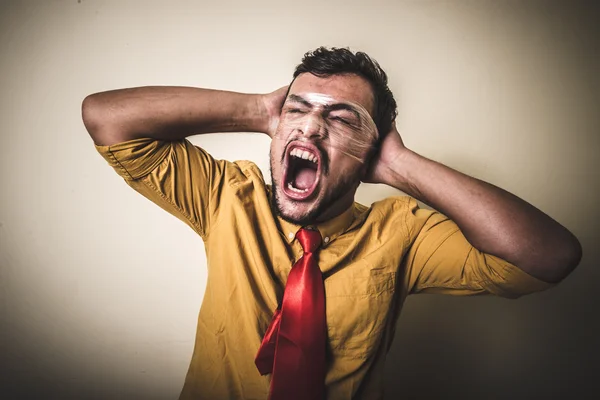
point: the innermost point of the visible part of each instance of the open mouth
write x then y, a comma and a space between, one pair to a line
302, 170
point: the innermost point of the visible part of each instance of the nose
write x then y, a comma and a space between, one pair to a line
312, 126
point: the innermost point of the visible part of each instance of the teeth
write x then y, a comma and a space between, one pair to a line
305, 155
291, 187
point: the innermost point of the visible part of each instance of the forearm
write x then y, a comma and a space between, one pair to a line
494, 221
170, 113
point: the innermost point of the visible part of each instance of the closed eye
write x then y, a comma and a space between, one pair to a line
343, 120
340, 119
296, 111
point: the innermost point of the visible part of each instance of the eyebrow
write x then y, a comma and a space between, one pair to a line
332, 107
299, 99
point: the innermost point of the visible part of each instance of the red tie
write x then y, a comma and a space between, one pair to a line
293, 347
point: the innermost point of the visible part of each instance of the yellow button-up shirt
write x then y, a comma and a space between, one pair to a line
371, 259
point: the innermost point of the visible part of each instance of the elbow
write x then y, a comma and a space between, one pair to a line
566, 258
91, 111
551, 262
573, 254
96, 116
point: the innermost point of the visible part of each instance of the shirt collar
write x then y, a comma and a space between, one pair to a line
329, 230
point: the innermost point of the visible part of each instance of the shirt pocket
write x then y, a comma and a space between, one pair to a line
359, 303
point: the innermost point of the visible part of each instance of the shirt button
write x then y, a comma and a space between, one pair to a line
326, 240
291, 235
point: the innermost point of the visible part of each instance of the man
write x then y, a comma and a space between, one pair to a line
332, 128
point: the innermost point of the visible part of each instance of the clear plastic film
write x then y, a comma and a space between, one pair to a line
340, 124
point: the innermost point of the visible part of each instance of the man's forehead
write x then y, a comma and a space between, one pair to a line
342, 88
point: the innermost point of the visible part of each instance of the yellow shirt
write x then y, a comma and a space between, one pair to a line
371, 259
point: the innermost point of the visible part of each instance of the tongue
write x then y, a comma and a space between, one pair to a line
305, 178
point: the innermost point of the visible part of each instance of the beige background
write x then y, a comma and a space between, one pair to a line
100, 289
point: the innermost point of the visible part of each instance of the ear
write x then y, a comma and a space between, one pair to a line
370, 158
365, 168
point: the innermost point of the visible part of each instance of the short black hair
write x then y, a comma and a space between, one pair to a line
324, 62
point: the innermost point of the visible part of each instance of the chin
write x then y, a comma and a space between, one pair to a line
297, 212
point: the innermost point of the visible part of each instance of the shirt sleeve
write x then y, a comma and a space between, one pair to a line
181, 178
441, 260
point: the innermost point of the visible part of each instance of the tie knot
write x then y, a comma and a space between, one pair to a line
309, 239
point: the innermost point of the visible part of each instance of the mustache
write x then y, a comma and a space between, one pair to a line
324, 159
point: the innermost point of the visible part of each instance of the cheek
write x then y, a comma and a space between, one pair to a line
349, 169
276, 149
283, 130
345, 163
276, 164
354, 142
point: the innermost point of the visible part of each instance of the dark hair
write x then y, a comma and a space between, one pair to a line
324, 62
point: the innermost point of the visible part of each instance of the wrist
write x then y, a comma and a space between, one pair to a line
259, 113
399, 172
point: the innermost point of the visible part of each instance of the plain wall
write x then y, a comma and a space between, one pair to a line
100, 289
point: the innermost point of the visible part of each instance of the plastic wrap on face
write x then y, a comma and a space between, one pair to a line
343, 125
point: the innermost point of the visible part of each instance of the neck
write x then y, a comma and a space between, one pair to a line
337, 208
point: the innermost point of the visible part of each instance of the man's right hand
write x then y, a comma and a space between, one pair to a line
273, 102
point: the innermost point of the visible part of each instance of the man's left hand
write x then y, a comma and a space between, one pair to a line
381, 167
